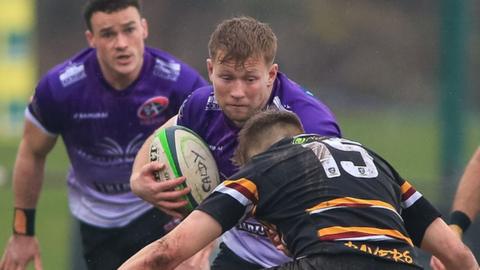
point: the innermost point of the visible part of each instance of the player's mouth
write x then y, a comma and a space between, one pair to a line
124, 59
237, 105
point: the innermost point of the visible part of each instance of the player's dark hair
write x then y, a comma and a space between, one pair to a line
107, 6
259, 128
240, 38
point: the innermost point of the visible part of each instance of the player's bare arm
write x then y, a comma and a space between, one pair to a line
466, 204
23, 246
194, 233
467, 197
448, 248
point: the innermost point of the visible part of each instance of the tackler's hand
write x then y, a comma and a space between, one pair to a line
276, 238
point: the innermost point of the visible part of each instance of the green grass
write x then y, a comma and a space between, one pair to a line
409, 140
53, 219
410, 146
52, 225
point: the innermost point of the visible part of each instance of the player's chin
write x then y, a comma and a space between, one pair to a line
238, 117
125, 69
126, 65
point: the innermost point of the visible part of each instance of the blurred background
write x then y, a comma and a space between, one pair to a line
401, 76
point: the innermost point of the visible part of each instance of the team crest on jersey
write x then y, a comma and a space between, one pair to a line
72, 74
167, 70
152, 108
306, 138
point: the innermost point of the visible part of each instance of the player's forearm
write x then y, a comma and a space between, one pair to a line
467, 198
157, 255
442, 242
27, 177
466, 260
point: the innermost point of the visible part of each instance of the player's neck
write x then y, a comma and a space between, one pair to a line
120, 81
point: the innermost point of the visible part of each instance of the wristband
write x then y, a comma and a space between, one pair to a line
460, 219
24, 221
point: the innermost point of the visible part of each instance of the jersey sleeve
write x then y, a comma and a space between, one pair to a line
199, 82
230, 202
43, 110
190, 81
418, 213
191, 113
316, 117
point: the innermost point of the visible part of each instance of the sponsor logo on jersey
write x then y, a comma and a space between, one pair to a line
112, 188
152, 108
215, 147
109, 152
306, 138
212, 104
167, 70
251, 227
90, 115
398, 255
72, 74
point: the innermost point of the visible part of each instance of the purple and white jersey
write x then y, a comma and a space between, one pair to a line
201, 113
103, 128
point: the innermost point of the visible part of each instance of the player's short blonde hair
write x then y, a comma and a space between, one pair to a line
241, 38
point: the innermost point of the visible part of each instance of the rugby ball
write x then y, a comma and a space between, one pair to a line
185, 154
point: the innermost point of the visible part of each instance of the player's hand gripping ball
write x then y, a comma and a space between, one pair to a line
185, 154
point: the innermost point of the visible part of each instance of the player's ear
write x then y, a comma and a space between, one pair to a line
144, 25
210, 68
90, 38
272, 74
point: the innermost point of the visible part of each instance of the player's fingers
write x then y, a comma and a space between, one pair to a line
151, 167
8, 264
436, 264
2, 262
173, 195
38, 262
158, 188
173, 205
169, 184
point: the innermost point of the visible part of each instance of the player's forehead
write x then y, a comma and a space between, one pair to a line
252, 64
102, 21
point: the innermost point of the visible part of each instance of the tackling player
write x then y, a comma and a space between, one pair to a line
336, 205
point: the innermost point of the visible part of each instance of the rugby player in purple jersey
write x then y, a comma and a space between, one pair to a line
245, 80
104, 102
336, 205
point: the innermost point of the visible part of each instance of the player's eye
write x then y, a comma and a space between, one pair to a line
107, 34
129, 30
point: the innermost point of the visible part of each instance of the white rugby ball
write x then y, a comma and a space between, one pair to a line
185, 154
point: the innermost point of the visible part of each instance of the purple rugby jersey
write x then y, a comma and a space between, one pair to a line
103, 128
201, 113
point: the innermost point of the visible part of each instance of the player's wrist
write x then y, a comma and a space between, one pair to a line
459, 221
24, 221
